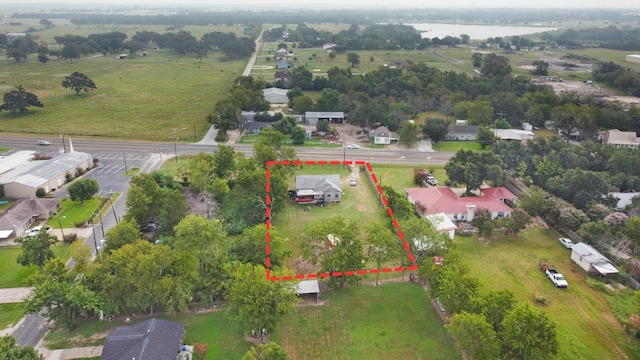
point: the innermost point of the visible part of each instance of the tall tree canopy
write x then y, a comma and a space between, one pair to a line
78, 82
19, 100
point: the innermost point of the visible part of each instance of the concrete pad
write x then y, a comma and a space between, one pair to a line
14, 295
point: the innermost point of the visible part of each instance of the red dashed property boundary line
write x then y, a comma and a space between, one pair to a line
335, 273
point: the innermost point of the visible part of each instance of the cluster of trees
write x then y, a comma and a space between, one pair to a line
70, 47
610, 37
490, 324
617, 76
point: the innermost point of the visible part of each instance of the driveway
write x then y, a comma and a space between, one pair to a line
14, 295
425, 146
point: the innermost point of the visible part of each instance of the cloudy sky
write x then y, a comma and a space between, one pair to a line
350, 4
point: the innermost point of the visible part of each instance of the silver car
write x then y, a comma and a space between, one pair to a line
43, 142
566, 242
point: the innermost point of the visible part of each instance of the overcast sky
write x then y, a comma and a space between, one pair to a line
466, 4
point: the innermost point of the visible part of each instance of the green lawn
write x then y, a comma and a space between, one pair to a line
586, 326
74, 212
358, 204
4, 149
10, 314
224, 337
457, 145
394, 321
139, 98
313, 142
13, 274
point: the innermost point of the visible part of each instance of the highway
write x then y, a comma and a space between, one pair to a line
94, 146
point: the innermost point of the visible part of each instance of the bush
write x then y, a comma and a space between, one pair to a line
542, 299
79, 172
69, 238
68, 177
222, 137
40, 192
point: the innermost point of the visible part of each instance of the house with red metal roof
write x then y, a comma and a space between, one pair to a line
441, 199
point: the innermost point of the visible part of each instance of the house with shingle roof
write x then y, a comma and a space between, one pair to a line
15, 221
462, 133
441, 199
318, 188
153, 339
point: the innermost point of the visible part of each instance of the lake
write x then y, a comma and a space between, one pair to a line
476, 32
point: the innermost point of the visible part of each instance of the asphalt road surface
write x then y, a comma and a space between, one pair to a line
116, 151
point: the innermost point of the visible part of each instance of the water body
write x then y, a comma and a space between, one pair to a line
476, 32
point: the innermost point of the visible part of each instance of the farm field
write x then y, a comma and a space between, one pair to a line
586, 326
142, 97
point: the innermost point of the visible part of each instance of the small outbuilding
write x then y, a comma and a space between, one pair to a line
590, 260
309, 287
442, 224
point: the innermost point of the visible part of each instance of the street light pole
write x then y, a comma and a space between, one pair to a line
64, 147
175, 149
101, 225
124, 156
113, 209
60, 223
95, 243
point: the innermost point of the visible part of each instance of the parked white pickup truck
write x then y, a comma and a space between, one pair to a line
557, 278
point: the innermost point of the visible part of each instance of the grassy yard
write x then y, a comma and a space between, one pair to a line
133, 96
13, 274
394, 321
224, 337
314, 142
400, 177
358, 204
457, 145
586, 326
10, 314
73, 212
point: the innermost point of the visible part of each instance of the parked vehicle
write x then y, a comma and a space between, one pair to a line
352, 182
566, 242
432, 181
557, 278
36, 230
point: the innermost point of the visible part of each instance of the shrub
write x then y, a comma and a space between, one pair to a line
68, 177
40, 192
542, 299
79, 171
222, 137
69, 238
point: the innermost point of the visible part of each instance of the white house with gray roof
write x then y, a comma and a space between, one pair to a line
24, 179
275, 95
317, 188
15, 221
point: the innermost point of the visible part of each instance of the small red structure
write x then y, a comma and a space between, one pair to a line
438, 260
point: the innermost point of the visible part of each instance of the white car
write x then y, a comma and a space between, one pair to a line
565, 242
432, 181
352, 182
43, 142
36, 230
353, 146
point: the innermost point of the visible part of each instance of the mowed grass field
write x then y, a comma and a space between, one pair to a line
393, 321
586, 326
141, 97
13, 274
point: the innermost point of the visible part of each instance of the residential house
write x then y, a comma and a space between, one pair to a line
318, 188
255, 127
381, 135
442, 224
328, 46
621, 139
501, 193
15, 221
441, 199
282, 76
275, 95
462, 132
514, 134
590, 260
624, 199
153, 339
404, 65
24, 179
312, 117
284, 64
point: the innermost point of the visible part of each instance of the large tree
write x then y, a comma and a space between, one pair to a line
78, 82
64, 294
475, 336
83, 189
382, 247
329, 100
353, 58
473, 168
436, 129
36, 250
123, 233
270, 351
258, 303
345, 253
409, 133
528, 334
10, 350
19, 100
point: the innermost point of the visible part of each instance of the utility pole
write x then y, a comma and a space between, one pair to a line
175, 148
124, 156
